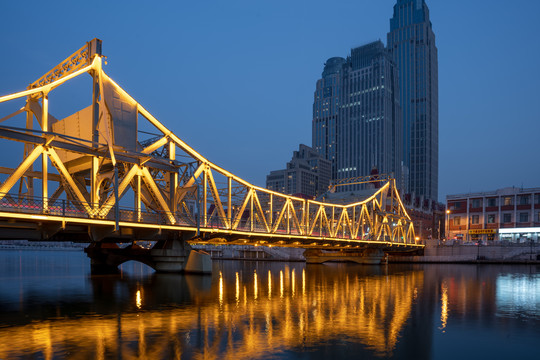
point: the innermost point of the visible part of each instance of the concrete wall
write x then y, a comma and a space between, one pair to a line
470, 253
248, 252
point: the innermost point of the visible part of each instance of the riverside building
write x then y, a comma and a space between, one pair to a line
509, 214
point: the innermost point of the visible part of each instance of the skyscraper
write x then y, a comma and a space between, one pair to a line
356, 115
369, 122
326, 109
411, 42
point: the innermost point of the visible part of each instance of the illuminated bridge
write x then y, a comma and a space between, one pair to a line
112, 173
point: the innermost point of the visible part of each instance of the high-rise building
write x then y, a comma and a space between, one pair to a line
326, 109
356, 115
307, 174
369, 128
411, 42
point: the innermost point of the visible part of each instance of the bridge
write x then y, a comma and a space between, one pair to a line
97, 176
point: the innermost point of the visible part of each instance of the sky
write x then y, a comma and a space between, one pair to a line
235, 79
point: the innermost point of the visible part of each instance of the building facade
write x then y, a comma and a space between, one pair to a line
379, 107
411, 42
326, 107
509, 214
307, 174
356, 115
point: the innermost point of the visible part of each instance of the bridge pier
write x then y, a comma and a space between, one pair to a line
369, 256
171, 255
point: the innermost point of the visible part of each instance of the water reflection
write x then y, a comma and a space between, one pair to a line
170, 316
268, 310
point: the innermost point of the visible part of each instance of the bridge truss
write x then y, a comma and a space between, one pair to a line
95, 173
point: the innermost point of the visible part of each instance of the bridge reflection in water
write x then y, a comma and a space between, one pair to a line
241, 312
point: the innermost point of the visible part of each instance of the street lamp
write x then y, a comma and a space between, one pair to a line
447, 224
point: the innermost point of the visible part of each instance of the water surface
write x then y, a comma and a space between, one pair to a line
51, 308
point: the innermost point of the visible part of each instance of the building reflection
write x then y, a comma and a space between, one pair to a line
246, 310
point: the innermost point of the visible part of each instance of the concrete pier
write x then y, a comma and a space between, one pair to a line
366, 256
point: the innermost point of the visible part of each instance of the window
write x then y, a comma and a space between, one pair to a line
537, 199
507, 218
475, 219
538, 217
524, 200
476, 203
457, 220
492, 202
508, 200
491, 219
523, 217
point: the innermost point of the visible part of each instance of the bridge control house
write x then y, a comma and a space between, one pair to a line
505, 215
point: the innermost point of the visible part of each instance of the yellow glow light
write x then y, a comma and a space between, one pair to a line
220, 289
269, 285
444, 306
138, 300
255, 285
237, 293
281, 283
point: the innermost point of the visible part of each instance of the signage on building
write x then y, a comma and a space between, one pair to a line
482, 231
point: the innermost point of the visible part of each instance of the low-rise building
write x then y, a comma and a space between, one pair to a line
307, 174
509, 214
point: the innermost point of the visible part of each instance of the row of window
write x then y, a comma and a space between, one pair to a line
491, 218
492, 202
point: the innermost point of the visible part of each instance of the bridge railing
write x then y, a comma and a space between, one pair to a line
74, 209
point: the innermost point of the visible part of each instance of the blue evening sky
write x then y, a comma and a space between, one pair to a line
235, 79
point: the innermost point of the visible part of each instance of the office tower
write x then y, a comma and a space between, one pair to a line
369, 123
307, 174
411, 42
356, 115
326, 110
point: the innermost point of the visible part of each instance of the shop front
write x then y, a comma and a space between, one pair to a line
520, 235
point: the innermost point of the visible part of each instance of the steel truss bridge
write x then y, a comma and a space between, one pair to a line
96, 176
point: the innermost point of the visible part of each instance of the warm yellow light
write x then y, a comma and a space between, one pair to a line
138, 300
303, 281
281, 283
255, 285
293, 280
444, 306
220, 289
448, 211
269, 285
237, 294
38, 217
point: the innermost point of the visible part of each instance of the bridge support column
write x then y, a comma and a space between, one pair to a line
366, 256
170, 255
102, 261
175, 255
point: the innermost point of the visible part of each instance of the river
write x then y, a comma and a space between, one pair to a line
52, 308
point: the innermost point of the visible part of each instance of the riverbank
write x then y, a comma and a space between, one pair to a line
41, 245
488, 254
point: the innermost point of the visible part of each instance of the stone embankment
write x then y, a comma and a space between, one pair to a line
463, 253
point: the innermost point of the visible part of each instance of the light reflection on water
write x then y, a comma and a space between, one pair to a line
518, 295
250, 310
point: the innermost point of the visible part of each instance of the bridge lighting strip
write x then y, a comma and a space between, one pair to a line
65, 220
